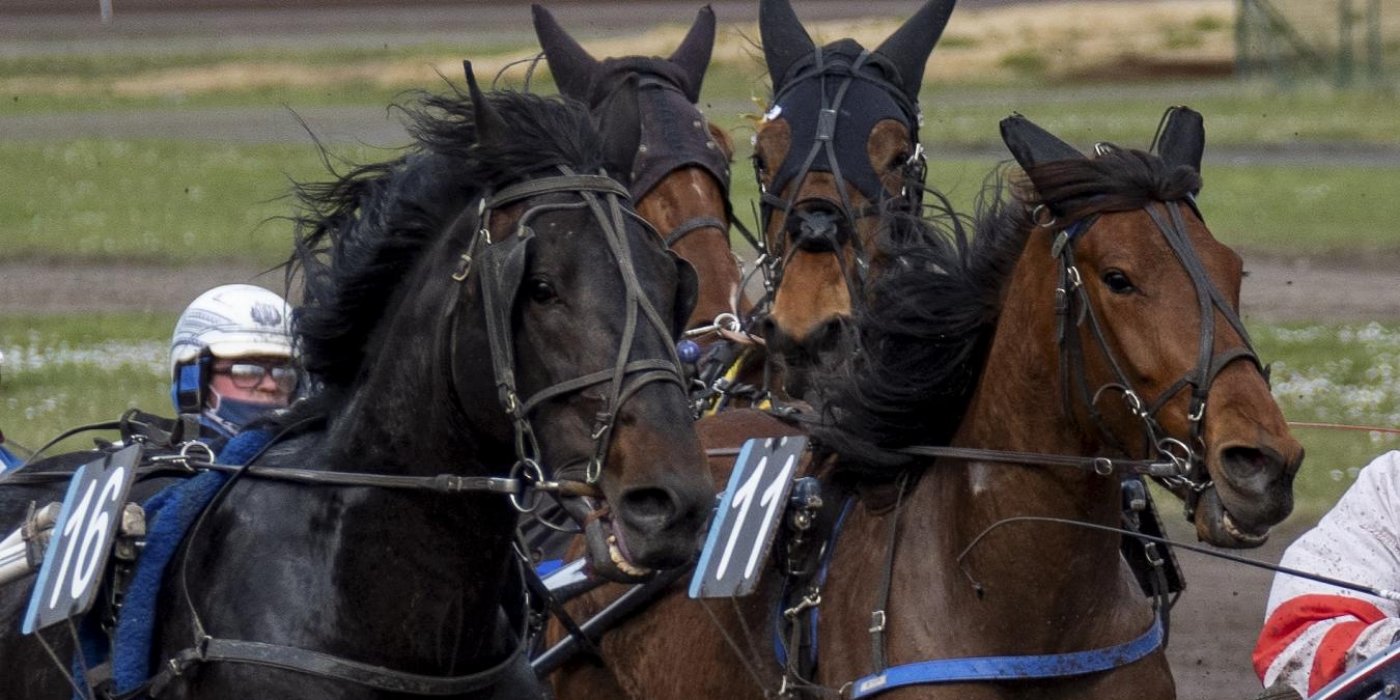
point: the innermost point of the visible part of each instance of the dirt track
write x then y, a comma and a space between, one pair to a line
1214, 625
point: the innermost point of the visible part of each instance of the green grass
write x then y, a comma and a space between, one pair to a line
175, 202
62, 371
159, 201
1236, 112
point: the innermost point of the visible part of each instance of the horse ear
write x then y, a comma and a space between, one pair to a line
1181, 140
784, 39
909, 47
489, 125
572, 66
693, 55
1031, 145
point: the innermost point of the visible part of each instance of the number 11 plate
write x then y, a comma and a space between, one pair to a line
82, 539
745, 523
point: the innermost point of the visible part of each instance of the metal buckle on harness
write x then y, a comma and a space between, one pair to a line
877, 621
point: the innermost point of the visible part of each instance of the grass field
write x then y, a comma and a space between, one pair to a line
61, 372
175, 202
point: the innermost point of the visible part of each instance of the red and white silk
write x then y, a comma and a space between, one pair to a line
1314, 632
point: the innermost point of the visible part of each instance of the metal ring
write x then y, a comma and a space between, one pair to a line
1038, 215
195, 445
528, 472
1103, 466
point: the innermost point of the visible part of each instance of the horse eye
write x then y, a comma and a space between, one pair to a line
1117, 282
540, 291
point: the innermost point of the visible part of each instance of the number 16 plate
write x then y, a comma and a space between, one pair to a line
82, 539
745, 523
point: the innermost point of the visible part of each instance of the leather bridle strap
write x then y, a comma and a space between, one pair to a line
692, 225
1208, 364
323, 665
1102, 466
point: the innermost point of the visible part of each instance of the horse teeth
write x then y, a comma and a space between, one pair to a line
1234, 530
621, 562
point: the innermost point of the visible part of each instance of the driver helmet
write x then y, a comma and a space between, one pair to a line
231, 321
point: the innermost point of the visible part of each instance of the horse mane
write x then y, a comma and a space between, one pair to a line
1118, 180
927, 327
922, 333
360, 236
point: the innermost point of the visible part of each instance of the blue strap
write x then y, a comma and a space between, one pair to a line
169, 513
1011, 668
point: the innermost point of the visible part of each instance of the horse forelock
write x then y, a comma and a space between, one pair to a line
1119, 180
361, 235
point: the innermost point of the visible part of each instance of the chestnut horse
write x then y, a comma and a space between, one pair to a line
1091, 331
656, 140
840, 141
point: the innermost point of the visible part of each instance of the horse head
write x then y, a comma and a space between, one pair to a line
657, 140
539, 343
1154, 359
839, 142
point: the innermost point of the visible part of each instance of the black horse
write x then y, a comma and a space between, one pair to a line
482, 306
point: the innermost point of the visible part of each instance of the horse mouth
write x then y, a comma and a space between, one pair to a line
606, 541
1216, 525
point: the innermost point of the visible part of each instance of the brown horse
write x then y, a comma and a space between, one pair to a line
839, 142
658, 141
1092, 330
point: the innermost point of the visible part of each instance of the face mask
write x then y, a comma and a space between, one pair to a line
229, 416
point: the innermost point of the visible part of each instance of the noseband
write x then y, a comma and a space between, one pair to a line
501, 268
828, 88
1072, 308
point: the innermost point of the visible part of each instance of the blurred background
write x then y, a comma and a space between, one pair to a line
148, 147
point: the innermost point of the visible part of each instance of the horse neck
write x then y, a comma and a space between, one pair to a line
1067, 578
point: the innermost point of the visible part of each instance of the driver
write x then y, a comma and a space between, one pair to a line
231, 359
1315, 632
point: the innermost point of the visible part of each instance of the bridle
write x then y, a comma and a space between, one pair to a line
500, 266
824, 89
1072, 308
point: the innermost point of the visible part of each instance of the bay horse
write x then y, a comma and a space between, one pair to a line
839, 143
674, 161
1091, 331
486, 311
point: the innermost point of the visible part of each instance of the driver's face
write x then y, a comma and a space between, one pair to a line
263, 380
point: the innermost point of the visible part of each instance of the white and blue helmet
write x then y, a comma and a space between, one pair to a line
230, 321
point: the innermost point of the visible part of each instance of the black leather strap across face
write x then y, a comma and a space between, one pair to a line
1168, 219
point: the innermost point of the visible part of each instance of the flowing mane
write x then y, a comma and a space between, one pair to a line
362, 234
926, 331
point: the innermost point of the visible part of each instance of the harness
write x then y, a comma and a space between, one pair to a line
1073, 308
1178, 464
501, 264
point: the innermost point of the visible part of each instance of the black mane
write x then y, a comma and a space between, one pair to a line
926, 330
1119, 180
362, 234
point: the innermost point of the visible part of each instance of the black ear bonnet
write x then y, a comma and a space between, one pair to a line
871, 95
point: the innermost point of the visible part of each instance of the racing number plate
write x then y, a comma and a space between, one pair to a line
743, 530
82, 539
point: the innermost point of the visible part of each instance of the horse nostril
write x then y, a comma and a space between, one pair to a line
648, 509
816, 227
829, 336
1248, 462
